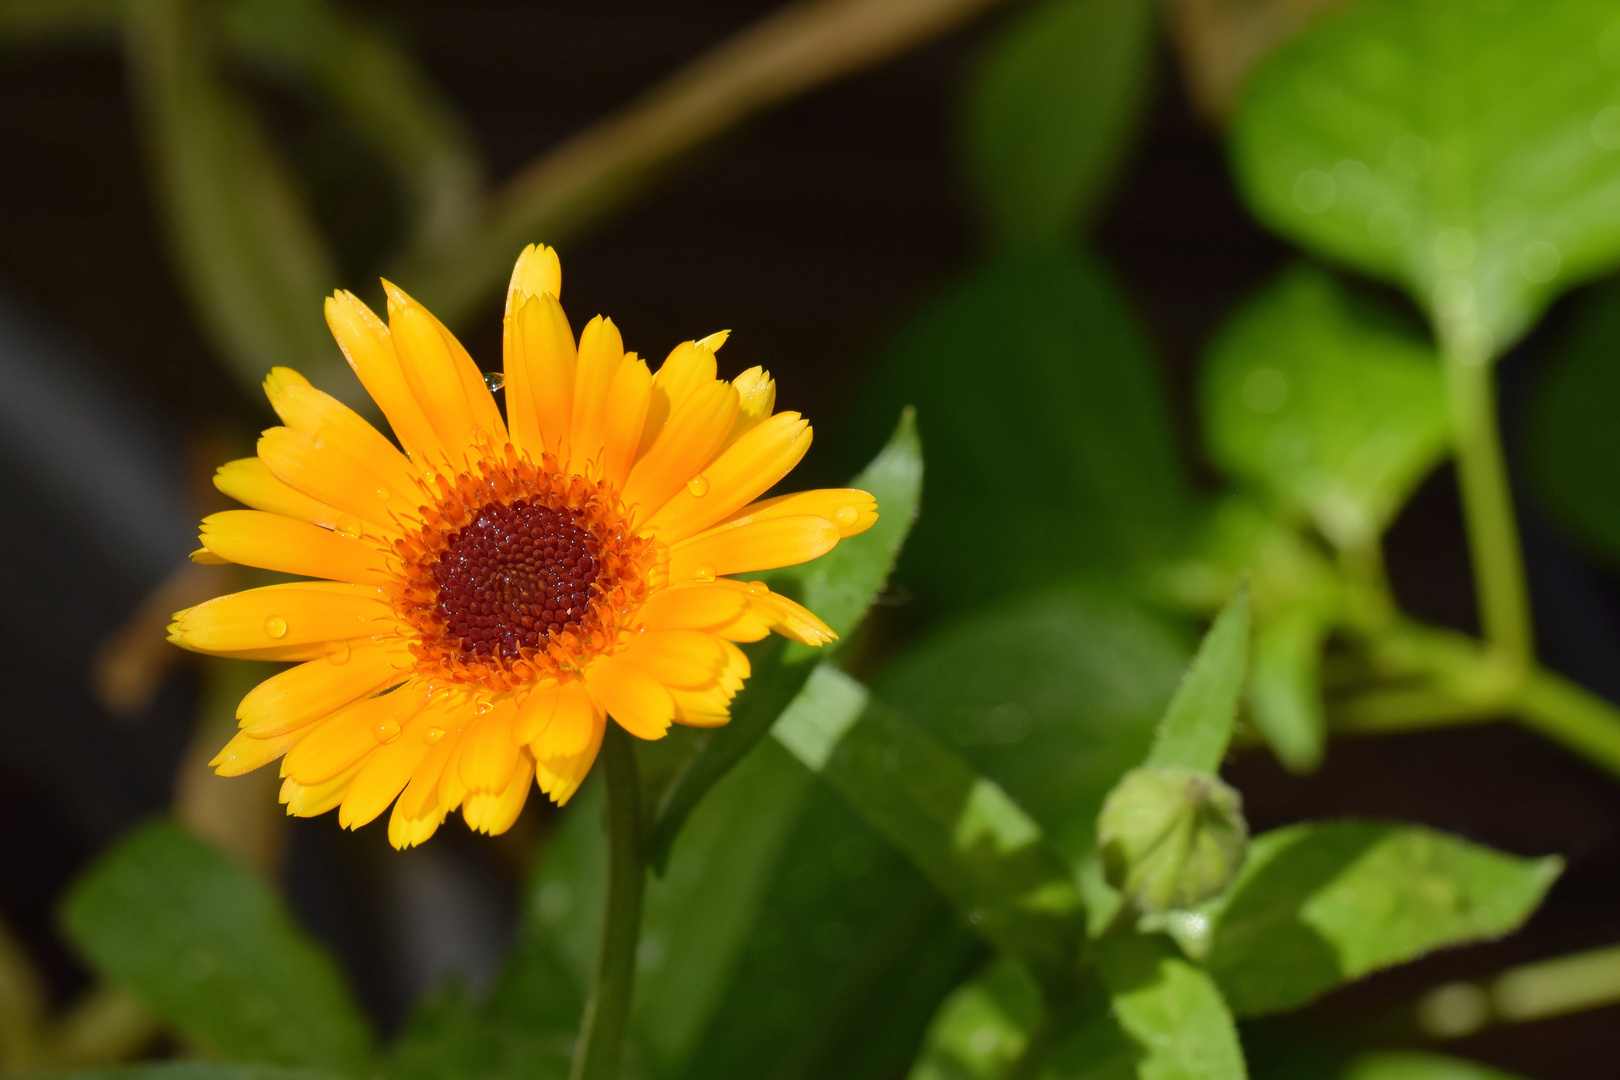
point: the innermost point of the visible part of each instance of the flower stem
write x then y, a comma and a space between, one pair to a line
1493, 534
607, 1011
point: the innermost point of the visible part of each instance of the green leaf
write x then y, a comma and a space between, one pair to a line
210, 948
1170, 1009
1053, 696
838, 587
1198, 724
981, 1029
450, 1035
193, 1070
1284, 694
1317, 905
1327, 402
978, 847
1410, 1066
251, 259
1049, 448
1467, 151
1051, 111
1571, 441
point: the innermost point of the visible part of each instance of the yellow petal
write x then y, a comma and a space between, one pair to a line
700, 607
572, 721
756, 397
601, 351
792, 620
488, 751
535, 713
244, 753
382, 777
706, 708
274, 542
540, 363
405, 831
560, 777
332, 423
688, 442
538, 271
290, 699
369, 348
752, 466
758, 545
626, 419
685, 658
852, 510
310, 800
282, 616
445, 382
349, 734
493, 812
639, 702
688, 366
333, 477
250, 481
421, 796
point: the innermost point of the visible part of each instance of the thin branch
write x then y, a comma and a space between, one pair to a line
794, 50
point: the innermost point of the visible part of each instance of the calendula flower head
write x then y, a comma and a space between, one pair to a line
489, 596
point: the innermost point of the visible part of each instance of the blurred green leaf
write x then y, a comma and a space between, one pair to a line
1326, 402
981, 1029
1284, 692
193, 1070
1049, 448
1198, 724
1053, 696
210, 948
379, 90
1418, 1067
1170, 1009
1052, 110
1468, 151
1317, 905
838, 587
1571, 441
450, 1035
254, 263
967, 836
33, 22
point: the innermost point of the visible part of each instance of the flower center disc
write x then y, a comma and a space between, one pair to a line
512, 577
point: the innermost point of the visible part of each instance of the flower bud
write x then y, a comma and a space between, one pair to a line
1171, 836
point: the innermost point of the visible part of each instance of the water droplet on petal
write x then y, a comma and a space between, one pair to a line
484, 707
703, 573
339, 653
698, 486
494, 380
758, 588
386, 731
432, 735
383, 494
847, 516
275, 626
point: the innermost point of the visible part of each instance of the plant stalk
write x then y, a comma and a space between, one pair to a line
1493, 533
607, 1010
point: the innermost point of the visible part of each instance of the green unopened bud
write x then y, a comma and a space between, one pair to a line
1171, 837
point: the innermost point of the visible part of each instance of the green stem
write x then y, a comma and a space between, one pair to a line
1493, 534
607, 1011
1568, 714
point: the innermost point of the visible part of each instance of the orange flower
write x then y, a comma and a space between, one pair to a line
488, 597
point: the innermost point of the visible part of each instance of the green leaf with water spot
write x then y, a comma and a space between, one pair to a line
1327, 402
1467, 151
1051, 110
1319, 905
209, 948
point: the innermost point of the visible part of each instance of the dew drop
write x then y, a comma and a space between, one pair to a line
339, 653
383, 494
494, 380
275, 626
698, 486
432, 735
703, 573
484, 707
758, 588
847, 516
386, 730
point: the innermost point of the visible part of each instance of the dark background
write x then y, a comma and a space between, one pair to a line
811, 235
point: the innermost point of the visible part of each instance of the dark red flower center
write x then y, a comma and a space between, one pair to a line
514, 576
